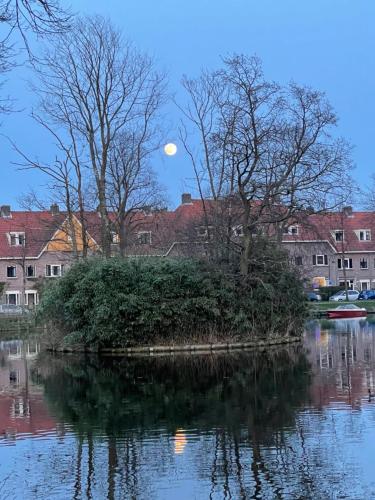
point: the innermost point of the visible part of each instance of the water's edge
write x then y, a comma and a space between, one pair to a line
172, 349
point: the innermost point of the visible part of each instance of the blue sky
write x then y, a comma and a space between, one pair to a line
329, 45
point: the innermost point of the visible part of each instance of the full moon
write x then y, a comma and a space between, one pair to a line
170, 149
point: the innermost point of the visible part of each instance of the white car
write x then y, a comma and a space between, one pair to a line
341, 296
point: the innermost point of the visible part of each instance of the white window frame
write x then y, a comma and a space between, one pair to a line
115, 238
237, 230
16, 235
31, 292
61, 272
317, 258
292, 230
140, 233
350, 283
15, 272
343, 262
341, 231
364, 233
17, 293
368, 283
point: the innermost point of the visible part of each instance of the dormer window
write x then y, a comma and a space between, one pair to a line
339, 235
364, 235
292, 230
237, 230
16, 239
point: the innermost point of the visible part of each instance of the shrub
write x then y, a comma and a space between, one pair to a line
327, 291
119, 302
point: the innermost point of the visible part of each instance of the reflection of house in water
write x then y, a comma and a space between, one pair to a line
344, 352
18, 349
22, 407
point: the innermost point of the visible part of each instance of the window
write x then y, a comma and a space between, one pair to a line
350, 284
16, 239
291, 230
11, 272
237, 230
363, 264
115, 238
298, 260
144, 238
54, 270
364, 235
30, 271
320, 260
31, 298
13, 298
205, 231
348, 263
339, 235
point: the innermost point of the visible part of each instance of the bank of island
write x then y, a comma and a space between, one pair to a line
172, 304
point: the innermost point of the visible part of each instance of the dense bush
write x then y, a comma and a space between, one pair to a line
327, 291
118, 302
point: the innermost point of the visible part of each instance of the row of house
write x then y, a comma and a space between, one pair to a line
327, 248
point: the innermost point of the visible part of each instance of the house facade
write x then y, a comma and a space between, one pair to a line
33, 246
324, 248
336, 246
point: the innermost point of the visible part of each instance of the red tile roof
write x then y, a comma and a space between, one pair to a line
323, 227
38, 227
170, 226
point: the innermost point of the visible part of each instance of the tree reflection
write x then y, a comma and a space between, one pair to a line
242, 401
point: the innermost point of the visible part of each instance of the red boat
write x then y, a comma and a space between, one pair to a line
347, 311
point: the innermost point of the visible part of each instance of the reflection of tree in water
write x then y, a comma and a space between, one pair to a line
243, 400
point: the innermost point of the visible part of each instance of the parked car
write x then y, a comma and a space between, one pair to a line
11, 309
313, 297
340, 296
367, 295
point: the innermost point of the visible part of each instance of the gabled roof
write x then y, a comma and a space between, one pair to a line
39, 228
322, 227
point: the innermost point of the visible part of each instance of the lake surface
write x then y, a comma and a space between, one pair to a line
294, 423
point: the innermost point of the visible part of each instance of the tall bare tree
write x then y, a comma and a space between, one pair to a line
132, 183
94, 85
271, 146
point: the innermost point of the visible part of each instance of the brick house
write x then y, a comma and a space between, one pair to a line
333, 244
35, 245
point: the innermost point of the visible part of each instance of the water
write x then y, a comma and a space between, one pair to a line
294, 423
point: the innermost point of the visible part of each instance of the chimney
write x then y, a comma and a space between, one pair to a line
348, 211
5, 211
55, 209
186, 199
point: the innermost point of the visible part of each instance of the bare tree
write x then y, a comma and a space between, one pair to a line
22, 17
93, 86
42, 17
132, 183
269, 145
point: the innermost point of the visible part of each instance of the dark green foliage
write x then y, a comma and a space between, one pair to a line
327, 291
119, 302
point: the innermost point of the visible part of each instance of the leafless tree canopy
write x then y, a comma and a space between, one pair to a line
42, 17
271, 146
100, 99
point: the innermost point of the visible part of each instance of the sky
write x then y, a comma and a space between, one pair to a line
328, 45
